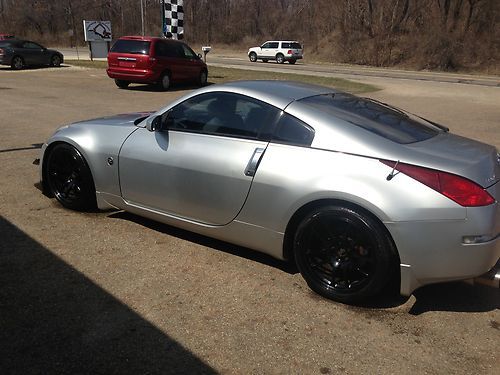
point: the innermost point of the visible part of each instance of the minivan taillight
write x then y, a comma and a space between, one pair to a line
459, 189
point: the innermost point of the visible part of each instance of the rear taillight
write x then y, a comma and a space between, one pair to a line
459, 189
289, 52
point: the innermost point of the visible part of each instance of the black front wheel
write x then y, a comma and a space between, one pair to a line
121, 84
55, 61
344, 254
69, 178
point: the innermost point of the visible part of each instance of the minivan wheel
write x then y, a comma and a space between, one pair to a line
344, 254
252, 57
164, 82
121, 84
202, 80
280, 59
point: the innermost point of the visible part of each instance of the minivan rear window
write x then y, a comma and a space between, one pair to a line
376, 117
135, 47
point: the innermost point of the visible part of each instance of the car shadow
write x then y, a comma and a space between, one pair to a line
175, 87
455, 297
32, 67
215, 244
55, 320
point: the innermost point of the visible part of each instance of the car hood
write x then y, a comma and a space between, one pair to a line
124, 119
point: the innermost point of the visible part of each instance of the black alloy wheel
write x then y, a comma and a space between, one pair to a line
202, 79
69, 178
344, 254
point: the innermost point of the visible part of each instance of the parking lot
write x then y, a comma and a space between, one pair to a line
110, 292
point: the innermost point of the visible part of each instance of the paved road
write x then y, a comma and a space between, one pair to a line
232, 60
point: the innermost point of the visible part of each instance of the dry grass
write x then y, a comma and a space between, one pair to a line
220, 75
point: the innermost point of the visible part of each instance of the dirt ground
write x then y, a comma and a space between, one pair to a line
110, 292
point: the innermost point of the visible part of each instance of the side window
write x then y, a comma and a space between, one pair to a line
291, 130
285, 45
223, 114
273, 45
266, 45
31, 45
188, 52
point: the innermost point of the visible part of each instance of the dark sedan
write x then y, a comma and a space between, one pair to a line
21, 53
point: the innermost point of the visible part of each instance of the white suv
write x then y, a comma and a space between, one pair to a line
281, 51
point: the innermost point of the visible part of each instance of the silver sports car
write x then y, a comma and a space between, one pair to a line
358, 193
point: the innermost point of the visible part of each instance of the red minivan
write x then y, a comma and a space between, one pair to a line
144, 59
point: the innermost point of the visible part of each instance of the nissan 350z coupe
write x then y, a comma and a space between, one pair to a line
359, 194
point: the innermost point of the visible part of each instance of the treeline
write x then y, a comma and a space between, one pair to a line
424, 34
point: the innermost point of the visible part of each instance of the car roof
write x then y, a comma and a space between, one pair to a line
147, 38
277, 93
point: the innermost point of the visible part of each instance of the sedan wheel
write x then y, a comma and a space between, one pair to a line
252, 57
17, 63
55, 61
343, 254
69, 178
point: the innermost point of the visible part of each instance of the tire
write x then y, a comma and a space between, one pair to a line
292, 61
17, 63
69, 178
265, 60
280, 59
164, 82
344, 254
252, 56
121, 84
202, 79
55, 60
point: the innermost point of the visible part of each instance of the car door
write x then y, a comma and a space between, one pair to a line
268, 50
33, 54
201, 163
192, 63
170, 57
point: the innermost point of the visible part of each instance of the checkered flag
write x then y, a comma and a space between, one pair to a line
174, 19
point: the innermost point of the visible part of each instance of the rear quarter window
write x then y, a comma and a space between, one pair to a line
378, 118
135, 47
291, 130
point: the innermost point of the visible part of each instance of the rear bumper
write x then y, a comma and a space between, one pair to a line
447, 250
136, 76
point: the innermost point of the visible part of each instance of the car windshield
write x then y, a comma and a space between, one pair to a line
376, 117
136, 47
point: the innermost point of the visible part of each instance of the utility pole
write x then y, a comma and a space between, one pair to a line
142, 17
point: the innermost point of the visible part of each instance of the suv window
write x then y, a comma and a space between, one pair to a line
291, 130
135, 47
373, 116
273, 45
295, 46
285, 45
223, 113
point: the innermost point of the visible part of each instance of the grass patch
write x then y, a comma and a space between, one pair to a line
219, 75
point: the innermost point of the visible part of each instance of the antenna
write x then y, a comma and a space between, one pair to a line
392, 174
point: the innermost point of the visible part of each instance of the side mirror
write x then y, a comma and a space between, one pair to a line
153, 123
199, 56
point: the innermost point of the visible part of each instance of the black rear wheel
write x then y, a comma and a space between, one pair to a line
55, 61
69, 178
121, 84
344, 254
17, 63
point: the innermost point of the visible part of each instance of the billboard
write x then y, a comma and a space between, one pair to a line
97, 31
